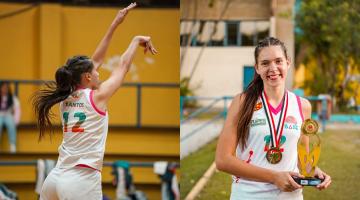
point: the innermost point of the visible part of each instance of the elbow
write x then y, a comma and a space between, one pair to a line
219, 162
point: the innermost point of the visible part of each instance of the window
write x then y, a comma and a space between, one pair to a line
223, 33
232, 30
217, 38
187, 30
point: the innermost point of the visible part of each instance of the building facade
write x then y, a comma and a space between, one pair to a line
218, 39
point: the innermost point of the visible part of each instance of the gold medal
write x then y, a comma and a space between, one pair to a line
274, 155
309, 126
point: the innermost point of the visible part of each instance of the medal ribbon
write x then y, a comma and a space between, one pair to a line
274, 131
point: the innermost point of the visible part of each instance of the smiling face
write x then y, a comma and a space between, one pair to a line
272, 65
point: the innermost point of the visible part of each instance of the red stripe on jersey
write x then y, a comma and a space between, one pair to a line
86, 166
93, 104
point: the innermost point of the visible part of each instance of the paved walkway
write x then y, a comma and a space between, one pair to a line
343, 126
200, 138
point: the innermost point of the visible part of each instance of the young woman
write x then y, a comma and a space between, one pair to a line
258, 144
84, 117
9, 114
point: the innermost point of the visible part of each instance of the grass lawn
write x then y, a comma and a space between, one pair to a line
340, 157
194, 166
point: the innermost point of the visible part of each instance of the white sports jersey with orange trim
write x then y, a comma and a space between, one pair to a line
85, 129
259, 142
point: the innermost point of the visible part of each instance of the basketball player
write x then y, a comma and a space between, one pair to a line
83, 100
258, 144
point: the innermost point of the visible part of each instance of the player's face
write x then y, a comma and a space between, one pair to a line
272, 65
94, 79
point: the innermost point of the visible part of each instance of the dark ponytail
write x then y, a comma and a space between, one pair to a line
67, 79
252, 93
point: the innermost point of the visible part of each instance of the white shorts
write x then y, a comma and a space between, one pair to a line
76, 183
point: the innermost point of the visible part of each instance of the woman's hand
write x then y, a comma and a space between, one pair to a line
322, 175
285, 182
145, 41
100, 51
122, 14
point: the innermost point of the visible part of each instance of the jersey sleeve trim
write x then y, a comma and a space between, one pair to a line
94, 106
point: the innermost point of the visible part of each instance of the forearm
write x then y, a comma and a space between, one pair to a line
239, 168
100, 52
128, 56
109, 87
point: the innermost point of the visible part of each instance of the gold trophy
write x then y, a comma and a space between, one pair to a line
308, 153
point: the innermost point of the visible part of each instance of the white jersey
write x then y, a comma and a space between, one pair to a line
85, 129
259, 142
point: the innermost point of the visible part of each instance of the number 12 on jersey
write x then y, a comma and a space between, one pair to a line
76, 128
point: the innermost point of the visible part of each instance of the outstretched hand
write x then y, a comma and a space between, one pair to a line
122, 14
145, 41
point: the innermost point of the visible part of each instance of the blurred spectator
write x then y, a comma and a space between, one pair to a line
9, 114
352, 104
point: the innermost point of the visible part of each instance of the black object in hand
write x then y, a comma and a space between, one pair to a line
307, 181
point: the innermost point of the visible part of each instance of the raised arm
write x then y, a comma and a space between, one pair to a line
227, 161
99, 54
109, 86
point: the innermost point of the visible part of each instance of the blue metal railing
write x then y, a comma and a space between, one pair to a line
138, 86
323, 110
321, 116
199, 111
215, 100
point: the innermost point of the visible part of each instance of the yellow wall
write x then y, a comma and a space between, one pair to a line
38, 41
19, 43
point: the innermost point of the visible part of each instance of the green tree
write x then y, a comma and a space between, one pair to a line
330, 37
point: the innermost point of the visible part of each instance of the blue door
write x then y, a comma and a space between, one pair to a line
248, 75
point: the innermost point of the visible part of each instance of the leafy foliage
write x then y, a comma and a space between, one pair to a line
330, 33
